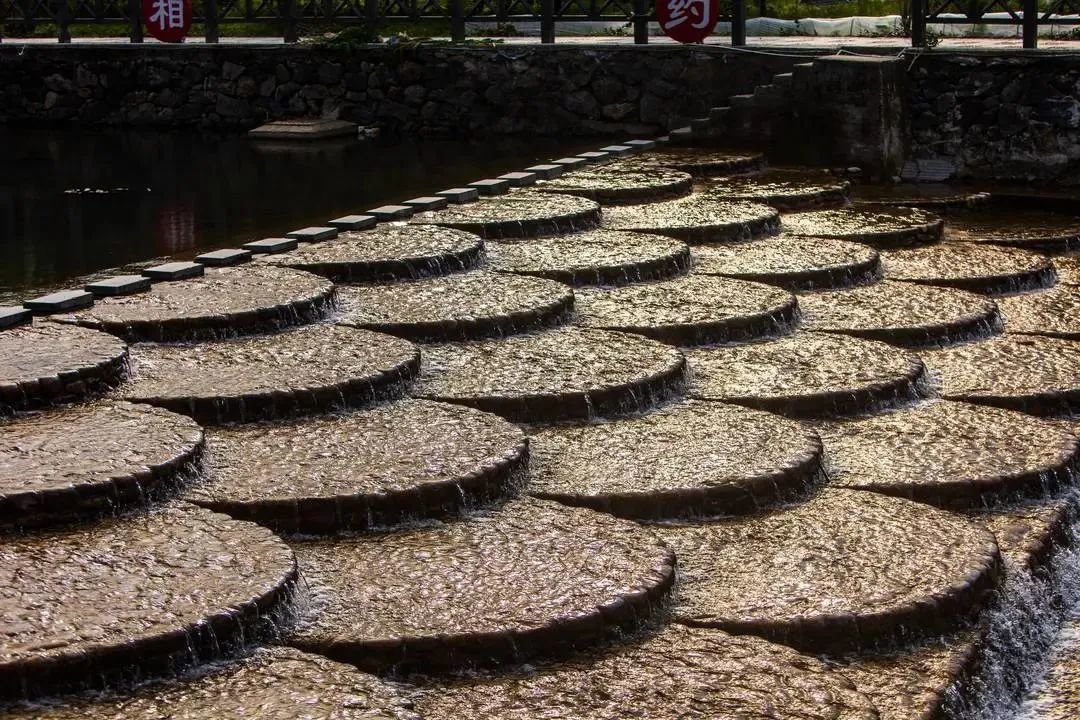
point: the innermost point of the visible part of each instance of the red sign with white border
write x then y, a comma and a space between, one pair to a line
688, 21
167, 20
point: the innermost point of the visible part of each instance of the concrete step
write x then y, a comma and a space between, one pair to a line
739, 101
719, 114
770, 97
783, 80
700, 124
681, 136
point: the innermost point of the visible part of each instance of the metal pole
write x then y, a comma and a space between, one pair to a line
135, 20
213, 30
1031, 24
918, 23
457, 21
547, 21
641, 22
738, 23
291, 35
63, 21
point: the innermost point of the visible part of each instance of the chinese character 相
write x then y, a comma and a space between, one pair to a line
697, 11
168, 14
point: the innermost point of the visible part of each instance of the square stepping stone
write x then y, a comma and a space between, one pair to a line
639, 145
547, 171
519, 179
617, 150
313, 234
460, 195
354, 222
423, 204
119, 285
491, 186
227, 256
271, 246
392, 212
60, 302
569, 163
595, 156
14, 316
175, 271
663, 140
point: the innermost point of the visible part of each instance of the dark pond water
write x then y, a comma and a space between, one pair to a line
72, 202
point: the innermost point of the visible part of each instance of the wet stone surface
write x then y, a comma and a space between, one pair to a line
88, 460
902, 313
410, 460
883, 228
596, 257
225, 301
387, 253
951, 454
271, 684
845, 571
967, 266
699, 162
529, 579
1068, 270
621, 186
793, 262
44, 363
696, 219
148, 593
782, 190
1054, 312
691, 458
1031, 229
559, 375
463, 306
693, 310
301, 371
808, 375
1030, 534
927, 195
519, 214
679, 673
1034, 374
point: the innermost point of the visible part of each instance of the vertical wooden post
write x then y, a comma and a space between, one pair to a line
641, 22
738, 23
1031, 24
918, 23
63, 21
213, 29
135, 21
547, 21
457, 21
291, 35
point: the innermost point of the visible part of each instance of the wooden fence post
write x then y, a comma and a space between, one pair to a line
547, 21
457, 21
213, 29
1031, 24
738, 23
135, 21
641, 22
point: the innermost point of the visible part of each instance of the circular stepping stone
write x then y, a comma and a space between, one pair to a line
621, 186
696, 219
1031, 229
302, 371
274, 682
457, 307
1034, 374
150, 592
596, 257
680, 673
560, 375
808, 374
225, 301
1068, 270
521, 582
91, 459
45, 363
386, 253
693, 310
418, 459
883, 228
902, 313
796, 263
966, 266
1054, 312
846, 571
951, 454
519, 214
782, 190
692, 458
699, 162
925, 195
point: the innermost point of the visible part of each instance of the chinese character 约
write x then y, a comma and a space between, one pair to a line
168, 14
683, 10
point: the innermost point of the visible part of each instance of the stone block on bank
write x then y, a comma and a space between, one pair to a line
59, 302
595, 156
547, 171
304, 130
423, 204
491, 186
174, 271
519, 179
313, 234
569, 163
460, 195
271, 246
354, 222
617, 150
391, 212
226, 256
640, 145
14, 316
119, 285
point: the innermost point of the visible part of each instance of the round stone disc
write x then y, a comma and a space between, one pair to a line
519, 582
696, 219
273, 683
417, 459
951, 454
1068, 270
883, 228
699, 162
1028, 228
902, 313
519, 214
966, 266
89, 460
796, 263
386, 253
621, 186
692, 458
1054, 312
464, 306
808, 374
680, 673
845, 571
559, 375
925, 195
693, 310
242, 300
309, 369
44, 363
1034, 374
153, 591
782, 190
596, 257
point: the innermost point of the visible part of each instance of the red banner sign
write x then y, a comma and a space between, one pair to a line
167, 20
688, 21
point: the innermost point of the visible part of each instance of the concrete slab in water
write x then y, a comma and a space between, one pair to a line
1054, 312
271, 246
304, 129
927, 195
354, 222
492, 186
792, 262
520, 214
622, 187
460, 195
174, 271
700, 162
391, 212
520, 179
119, 285
570, 163
314, 234
224, 258
1028, 228
617, 150
783, 190
883, 228
1028, 534
969, 266
596, 156
60, 301
696, 219
14, 316
546, 171
422, 204
639, 145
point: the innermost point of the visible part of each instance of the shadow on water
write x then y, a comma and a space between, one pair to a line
76, 201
